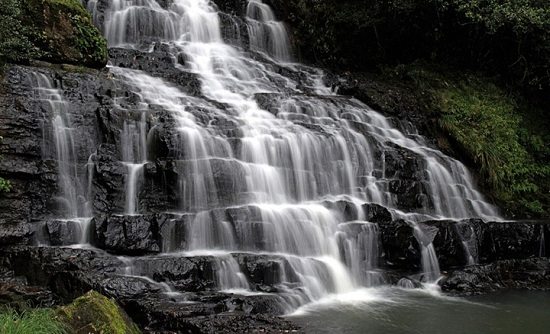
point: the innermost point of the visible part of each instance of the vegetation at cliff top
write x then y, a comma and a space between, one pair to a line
507, 38
38, 321
58, 31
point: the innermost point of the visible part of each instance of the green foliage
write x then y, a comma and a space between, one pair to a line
59, 31
39, 321
5, 185
510, 38
505, 137
15, 45
97, 314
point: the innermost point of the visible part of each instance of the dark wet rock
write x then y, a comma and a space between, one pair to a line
405, 171
128, 287
513, 240
266, 271
67, 272
159, 63
20, 296
499, 275
123, 234
401, 250
63, 232
376, 213
108, 180
164, 316
15, 233
185, 273
448, 243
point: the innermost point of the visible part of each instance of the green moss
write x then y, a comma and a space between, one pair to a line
39, 321
95, 313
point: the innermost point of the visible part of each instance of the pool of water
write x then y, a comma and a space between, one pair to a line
392, 311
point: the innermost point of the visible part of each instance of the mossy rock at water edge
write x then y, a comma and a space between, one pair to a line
95, 313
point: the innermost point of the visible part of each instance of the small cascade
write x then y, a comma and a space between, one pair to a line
469, 241
229, 275
74, 203
131, 270
266, 33
134, 155
405, 283
360, 252
430, 265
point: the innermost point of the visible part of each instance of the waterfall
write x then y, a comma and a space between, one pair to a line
261, 158
430, 265
74, 195
134, 154
266, 33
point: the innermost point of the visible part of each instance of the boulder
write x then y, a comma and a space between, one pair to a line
95, 313
123, 234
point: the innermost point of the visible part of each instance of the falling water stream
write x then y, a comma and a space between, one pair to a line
74, 181
295, 149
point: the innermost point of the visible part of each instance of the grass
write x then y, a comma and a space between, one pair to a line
38, 321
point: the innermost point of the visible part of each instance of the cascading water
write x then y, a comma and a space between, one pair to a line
293, 150
266, 33
74, 196
134, 155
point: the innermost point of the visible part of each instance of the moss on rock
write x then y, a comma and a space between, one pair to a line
57, 31
95, 313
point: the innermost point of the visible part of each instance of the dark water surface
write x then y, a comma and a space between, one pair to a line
392, 311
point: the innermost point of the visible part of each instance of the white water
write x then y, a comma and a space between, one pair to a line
134, 154
299, 152
73, 199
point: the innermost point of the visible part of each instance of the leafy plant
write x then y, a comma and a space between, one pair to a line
15, 45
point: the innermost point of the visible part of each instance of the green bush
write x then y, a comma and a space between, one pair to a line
509, 38
58, 31
15, 45
39, 321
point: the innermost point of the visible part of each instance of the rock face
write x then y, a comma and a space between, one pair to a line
128, 234
69, 273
